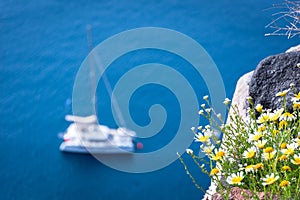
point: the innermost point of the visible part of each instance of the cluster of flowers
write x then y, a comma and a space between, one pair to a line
260, 154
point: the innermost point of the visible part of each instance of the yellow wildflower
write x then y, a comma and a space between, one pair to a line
296, 98
268, 150
275, 132
283, 145
282, 124
259, 108
218, 155
282, 94
284, 183
286, 168
283, 157
214, 171
263, 118
258, 166
296, 105
261, 129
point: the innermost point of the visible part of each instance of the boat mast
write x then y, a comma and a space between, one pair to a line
95, 62
92, 65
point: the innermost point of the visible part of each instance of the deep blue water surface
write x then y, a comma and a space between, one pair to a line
42, 44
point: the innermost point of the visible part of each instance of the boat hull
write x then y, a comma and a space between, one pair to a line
96, 150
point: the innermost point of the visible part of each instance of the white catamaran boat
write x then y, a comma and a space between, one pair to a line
85, 135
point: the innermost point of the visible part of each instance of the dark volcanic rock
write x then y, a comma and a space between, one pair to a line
272, 75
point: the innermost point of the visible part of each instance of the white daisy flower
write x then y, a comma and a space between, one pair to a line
255, 136
287, 117
290, 149
296, 159
189, 151
199, 137
282, 93
249, 153
207, 148
270, 179
235, 179
205, 97
269, 156
260, 143
226, 101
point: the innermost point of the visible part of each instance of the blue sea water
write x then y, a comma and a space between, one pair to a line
43, 43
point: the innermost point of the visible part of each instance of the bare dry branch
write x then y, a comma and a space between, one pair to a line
287, 21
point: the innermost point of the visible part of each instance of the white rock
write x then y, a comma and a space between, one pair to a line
240, 95
292, 49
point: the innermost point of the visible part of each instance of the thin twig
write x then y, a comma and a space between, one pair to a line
287, 21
